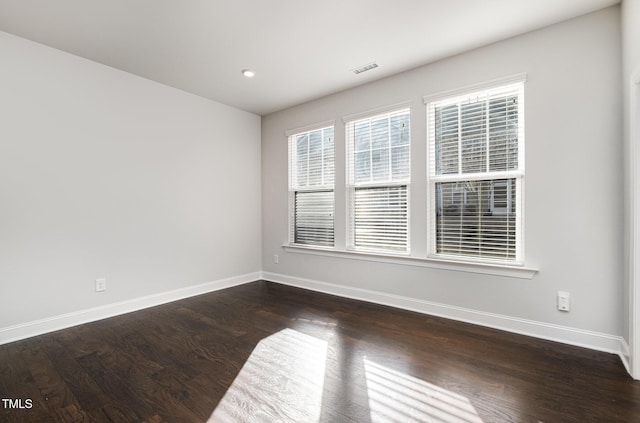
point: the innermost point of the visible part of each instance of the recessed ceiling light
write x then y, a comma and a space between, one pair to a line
248, 73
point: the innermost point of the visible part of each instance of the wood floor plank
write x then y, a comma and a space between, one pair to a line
20, 383
117, 412
87, 393
177, 362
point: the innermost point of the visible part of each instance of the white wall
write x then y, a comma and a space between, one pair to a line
574, 187
105, 174
630, 12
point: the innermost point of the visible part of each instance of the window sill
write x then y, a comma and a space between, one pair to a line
512, 271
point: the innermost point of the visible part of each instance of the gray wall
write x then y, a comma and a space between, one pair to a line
105, 174
630, 11
573, 183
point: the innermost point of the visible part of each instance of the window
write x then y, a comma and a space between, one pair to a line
476, 170
311, 184
378, 165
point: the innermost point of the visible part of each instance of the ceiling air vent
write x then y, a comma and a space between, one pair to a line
365, 68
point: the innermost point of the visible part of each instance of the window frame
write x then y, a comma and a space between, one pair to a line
352, 186
294, 189
517, 175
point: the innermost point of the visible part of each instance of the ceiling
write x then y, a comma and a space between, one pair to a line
300, 49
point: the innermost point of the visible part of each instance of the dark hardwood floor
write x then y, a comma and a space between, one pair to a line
268, 353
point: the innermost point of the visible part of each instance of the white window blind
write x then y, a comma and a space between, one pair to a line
476, 169
378, 181
311, 185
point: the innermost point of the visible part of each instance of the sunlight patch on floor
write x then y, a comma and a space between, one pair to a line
282, 381
397, 397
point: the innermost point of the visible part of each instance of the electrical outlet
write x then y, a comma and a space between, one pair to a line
563, 301
276, 260
101, 284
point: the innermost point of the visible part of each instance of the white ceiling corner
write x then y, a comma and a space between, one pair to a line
300, 49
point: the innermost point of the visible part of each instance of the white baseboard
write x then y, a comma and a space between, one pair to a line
625, 356
39, 327
579, 337
567, 335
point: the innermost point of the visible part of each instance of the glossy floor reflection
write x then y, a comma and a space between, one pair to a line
264, 352
396, 397
282, 381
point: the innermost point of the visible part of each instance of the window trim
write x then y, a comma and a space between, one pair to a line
351, 186
309, 128
346, 119
291, 192
517, 174
487, 85
483, 268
